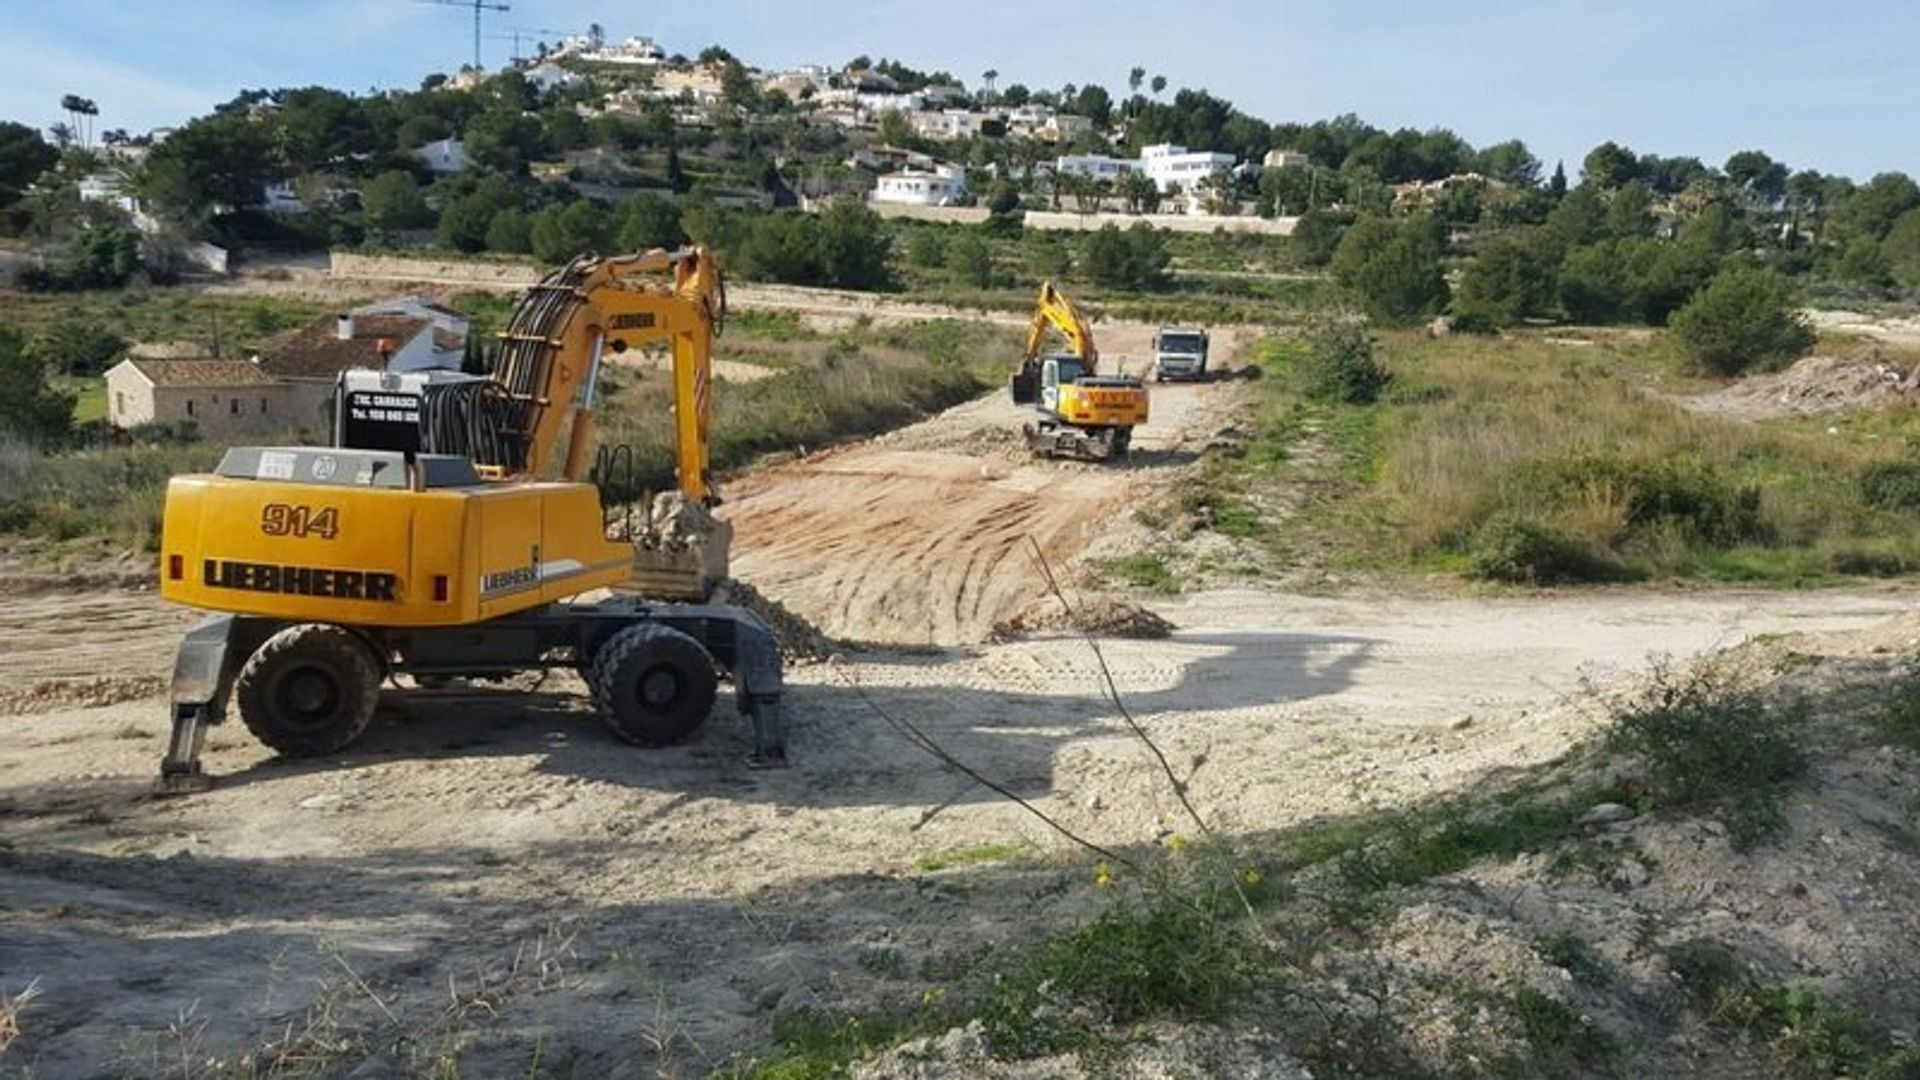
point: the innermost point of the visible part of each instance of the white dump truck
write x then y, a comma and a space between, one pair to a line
1179, 353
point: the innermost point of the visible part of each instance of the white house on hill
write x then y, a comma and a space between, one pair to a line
943, 185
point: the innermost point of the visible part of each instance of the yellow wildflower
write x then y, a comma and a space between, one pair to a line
1103, 875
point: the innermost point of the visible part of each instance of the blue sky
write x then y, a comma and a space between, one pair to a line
1831, 86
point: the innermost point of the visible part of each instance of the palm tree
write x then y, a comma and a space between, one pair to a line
987, 78
1159, 83
1135, 77
76, 108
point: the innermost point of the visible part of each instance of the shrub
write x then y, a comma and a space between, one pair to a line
1340, 365
1707, 743
1894, 485
1687, 492
1743, 319
1525, 552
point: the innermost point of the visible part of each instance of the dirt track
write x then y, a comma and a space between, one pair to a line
921, 537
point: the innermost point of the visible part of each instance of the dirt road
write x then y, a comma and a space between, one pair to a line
922, 536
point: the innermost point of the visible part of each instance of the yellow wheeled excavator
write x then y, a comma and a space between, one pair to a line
432, 539
1083, 414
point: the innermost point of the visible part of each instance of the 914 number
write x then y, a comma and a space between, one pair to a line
281, 519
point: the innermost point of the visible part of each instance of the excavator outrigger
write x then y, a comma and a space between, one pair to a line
429, 539
1083, 414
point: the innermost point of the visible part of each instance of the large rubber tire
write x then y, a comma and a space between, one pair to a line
309, 690
652, 684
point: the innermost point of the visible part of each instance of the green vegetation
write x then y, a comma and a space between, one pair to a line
1710, 744
1394, 268
1744, 319
1807, 1035
1518, 460
1340, 366
1142, 570
857, 384
1298, 932
967, 856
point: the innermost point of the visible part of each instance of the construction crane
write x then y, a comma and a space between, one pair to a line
516, 33
432, 540
478, 7
1082, 413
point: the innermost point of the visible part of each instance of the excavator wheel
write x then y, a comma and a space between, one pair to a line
652, 684
309, 690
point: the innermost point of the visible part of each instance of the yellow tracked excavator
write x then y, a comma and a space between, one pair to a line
1082, 413
433, 539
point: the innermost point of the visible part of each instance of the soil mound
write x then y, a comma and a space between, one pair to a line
1818, 384
799, 639
1103, 616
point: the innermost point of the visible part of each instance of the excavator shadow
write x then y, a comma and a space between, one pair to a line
863, 734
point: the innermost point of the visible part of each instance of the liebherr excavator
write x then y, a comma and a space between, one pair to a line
428, 539
1083, 414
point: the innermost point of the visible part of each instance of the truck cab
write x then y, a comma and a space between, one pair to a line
1179, 353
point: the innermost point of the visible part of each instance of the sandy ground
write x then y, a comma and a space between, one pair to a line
926, 536
501, 847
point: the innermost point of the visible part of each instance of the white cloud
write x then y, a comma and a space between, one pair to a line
38, 74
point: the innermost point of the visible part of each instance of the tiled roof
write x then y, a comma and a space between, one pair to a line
201, 372
318, 352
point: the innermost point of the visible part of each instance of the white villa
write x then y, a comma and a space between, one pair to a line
942, 185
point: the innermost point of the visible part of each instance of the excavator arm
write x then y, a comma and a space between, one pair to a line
554, 343
1055, 309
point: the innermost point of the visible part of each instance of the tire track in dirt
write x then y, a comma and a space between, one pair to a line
920, 537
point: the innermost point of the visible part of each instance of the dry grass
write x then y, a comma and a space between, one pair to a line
1492, 417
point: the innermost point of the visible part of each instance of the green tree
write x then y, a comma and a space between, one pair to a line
970, 261
79, 347
1610, 165
464, 223
1316, 236
854, 246
1003, 208
1630, 212
559, 233
1514, 277
24, 155
1593, 284
1901, 248
393, 201
1744, 319
510, 232
649, 221
504, 140
224, 159
927, 248
1872, 210
1134, 259
1763, 179
31, 409
1393, 268
1863, 262
1509, 162
1557, 183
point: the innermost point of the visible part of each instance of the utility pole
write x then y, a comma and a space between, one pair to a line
478, 7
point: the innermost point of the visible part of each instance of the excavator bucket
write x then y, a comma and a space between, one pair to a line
680, 551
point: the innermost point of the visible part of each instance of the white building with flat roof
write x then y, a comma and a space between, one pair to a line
1175, 168
1096, 166
943, 185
